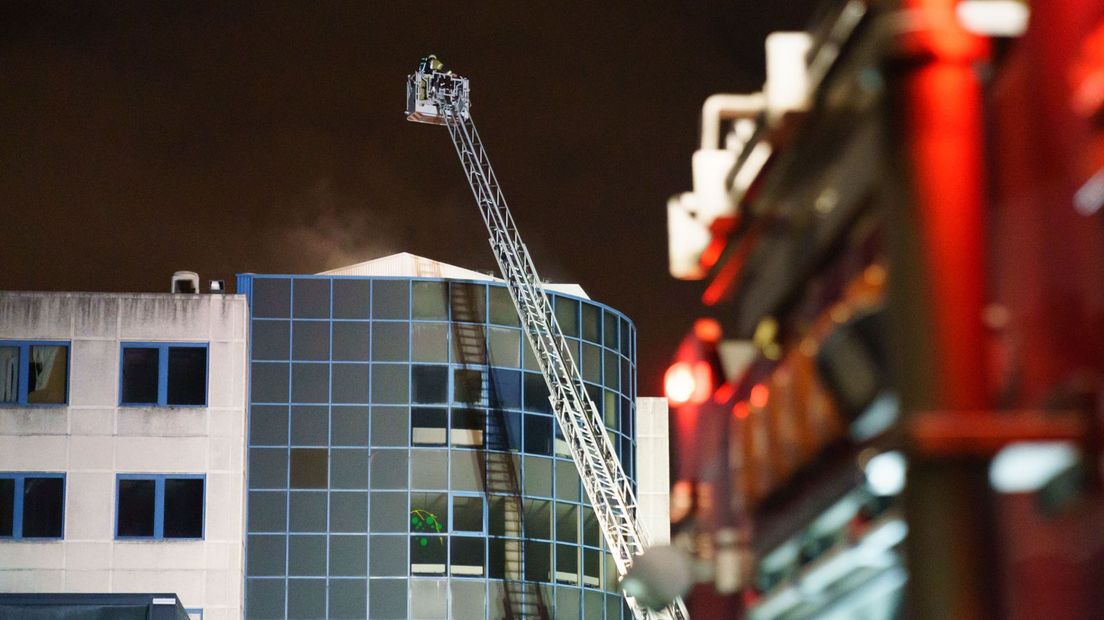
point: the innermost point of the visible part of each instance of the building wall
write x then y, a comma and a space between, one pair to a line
653, 493
348, 375
92, 439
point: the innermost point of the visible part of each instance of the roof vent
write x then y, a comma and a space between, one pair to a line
186, 282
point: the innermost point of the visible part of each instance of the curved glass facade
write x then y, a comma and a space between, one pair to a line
403, 457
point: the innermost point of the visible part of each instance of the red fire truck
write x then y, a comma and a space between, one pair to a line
890, 400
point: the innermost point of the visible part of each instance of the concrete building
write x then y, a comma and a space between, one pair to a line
122, 423
403, 457
375, 441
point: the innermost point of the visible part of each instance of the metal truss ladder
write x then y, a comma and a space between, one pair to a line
438, 97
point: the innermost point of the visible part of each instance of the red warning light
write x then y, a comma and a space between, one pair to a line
688, 383
740, 410
678, 383
759, 395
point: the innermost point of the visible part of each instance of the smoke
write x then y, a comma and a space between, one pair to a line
328, 229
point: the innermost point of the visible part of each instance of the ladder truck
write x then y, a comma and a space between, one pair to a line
440, 97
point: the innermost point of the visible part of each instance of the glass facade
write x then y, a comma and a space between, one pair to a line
403, 457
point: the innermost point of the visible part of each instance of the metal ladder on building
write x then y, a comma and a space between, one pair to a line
500, 478
438, 97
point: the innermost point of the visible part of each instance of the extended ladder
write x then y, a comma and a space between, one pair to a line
442, 98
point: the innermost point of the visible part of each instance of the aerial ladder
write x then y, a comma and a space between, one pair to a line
440, 97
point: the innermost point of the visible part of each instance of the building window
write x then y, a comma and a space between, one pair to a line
164, 374
159, 507
34, 373
31, 505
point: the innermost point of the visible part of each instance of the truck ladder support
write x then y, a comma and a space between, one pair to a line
438, 97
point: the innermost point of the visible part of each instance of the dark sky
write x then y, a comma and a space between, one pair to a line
141, 138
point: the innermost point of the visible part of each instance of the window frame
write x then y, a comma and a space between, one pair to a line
17, 504
163, 372
23, 377
159, 506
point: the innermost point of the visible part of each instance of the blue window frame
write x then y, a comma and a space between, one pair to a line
160, 506
32, 505
163, 374
34, 372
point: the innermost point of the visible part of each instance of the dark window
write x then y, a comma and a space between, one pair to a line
388, 556
183, 507
592, 568
348, 556
311, 340
309, 426
430, 300
136, 499
468, 427
468, 386
567, 315
390, 384
389, 512
503, 311
429, 384
160, 507
389, 426
271, 298
309, 468
428, 426
390, 299
350, 426
306, 598
427, 555
467, 513
349, 383
538, 518
389, 468
271, 340
538, 561
307, 511
567, 564
567, 522
312, 298
538, 434
140, 374
468, 302
187, 375
387, 598
310, 383
7, 506
348, 598
536, 394
504, 388
609, 330
592, 536
268, 382
611, 370
351, 340
306, 555
567, 481
352, 298
592, 322
390, 342
164, 374
31, 506
467, 555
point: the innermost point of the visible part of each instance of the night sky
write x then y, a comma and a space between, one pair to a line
137, 139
